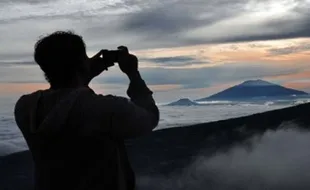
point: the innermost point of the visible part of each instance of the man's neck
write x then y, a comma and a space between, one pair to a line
75, 83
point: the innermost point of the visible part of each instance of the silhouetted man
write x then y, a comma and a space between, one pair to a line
76, 136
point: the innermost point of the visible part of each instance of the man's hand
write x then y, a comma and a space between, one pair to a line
128, 63
98, 63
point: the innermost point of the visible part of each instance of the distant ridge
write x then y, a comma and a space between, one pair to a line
183, 102
254, 89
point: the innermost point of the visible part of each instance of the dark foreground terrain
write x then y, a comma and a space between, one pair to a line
262, 151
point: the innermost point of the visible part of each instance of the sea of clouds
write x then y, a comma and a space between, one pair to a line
276, 160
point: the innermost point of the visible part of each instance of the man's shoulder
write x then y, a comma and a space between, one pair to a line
24, 103
26, 97
32, 93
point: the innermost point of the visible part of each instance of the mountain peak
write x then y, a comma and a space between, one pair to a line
184, 100
254, 89
257, 82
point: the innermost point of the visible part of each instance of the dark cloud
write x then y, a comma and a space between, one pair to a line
281, 34
290, 50
164, 25
183, 15
170, 59
173, 61
171, 17
148, 24
270, 30
254, 45
169, 23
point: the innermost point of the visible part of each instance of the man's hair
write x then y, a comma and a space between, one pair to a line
60, 55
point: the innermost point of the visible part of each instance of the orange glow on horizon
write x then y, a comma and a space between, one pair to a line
22, 87
298, 85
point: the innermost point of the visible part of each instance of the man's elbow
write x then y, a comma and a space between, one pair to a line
153, 124
145, 123
147, 126
155, 119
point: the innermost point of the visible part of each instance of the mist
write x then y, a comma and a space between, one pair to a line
275, 160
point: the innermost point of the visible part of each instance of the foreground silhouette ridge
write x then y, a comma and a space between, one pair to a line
177, 147
76, 137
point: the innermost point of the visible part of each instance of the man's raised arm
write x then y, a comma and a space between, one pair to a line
139, 115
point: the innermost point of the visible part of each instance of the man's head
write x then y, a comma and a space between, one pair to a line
61, 56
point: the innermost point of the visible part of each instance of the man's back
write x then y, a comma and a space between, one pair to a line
76, 136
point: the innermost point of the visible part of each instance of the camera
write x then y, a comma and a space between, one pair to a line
111, 56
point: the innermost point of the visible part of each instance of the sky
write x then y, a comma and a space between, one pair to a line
187, 49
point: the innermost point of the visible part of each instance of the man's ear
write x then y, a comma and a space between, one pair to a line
83, 72
83, 67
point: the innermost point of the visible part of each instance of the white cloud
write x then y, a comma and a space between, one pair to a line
148, 23
24, 10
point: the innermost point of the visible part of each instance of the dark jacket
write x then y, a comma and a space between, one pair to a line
76, 136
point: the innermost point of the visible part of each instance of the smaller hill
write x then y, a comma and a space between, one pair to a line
183, 102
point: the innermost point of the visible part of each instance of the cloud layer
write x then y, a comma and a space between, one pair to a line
150, 24
278, 160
